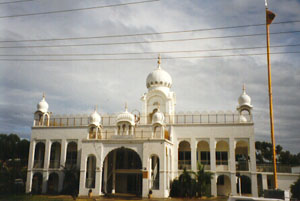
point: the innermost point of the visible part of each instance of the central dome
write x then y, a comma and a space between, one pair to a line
159, 78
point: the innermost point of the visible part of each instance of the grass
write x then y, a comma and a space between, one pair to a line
69, 198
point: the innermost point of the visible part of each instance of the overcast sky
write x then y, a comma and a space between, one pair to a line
210, 84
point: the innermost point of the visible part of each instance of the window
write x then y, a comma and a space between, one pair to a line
222, 157
205, 157
220, 180
184, 158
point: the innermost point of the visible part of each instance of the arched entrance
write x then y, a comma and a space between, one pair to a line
223, 185
122, 172
37, 182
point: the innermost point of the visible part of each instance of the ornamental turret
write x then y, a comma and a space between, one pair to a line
41, 115
95, 125
244, 106
125, 123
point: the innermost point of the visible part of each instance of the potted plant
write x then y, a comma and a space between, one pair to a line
150, 194
90, 193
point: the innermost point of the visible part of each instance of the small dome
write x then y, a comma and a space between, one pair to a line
95, 118
159, 78
158, 118
42, 106
126, 116
244, 99
243, 119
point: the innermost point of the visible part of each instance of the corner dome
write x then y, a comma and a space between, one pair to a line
158, 118
244, 99
126, 116
95, 118
43, 106
159, 78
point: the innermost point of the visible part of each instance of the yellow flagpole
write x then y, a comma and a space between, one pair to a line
268, 22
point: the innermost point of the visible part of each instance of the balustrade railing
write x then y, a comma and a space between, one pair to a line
169, 119
184, 164
242, 165
38, 164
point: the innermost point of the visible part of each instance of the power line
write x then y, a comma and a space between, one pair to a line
78, 9
153, 41
20, 1
145, 34
153, 52
165, 58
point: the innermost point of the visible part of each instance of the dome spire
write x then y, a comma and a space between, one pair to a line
96, 108
126, 107
158, 61
244, 88
44, 96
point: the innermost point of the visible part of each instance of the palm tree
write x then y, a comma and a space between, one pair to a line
185, 181
202, 178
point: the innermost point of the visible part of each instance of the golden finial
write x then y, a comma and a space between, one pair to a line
96, 107
159, 58
244, 87
44, 96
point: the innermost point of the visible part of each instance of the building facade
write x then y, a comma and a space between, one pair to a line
133, 152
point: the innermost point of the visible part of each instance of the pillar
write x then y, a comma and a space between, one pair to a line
231, 164
252, 155
98, 181
47, 154
45, 181
254, 185
114, 172
29, 181
212, 148
193, 154
264, 181
64, 145
82, 181
105, 175
30, 166
233, 183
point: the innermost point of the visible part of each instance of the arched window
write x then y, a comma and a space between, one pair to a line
37, 183
184, 155
222, 149
52, 186
241, 156
55, 155
71, 159
203, 153
39, 155
91, 172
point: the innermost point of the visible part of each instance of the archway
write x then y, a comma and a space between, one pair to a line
53, 183
241, 156
39, 155
245, 184
223, 185
55, 155
184, 155
122, 172
203, 154
37, 183
71, 159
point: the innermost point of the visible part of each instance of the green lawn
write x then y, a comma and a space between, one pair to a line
69, 198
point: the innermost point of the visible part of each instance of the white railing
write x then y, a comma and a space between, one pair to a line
180, 119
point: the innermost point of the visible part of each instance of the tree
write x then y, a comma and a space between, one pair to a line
203, 179
295, 189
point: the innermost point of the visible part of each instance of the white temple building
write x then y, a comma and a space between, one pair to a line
133, 152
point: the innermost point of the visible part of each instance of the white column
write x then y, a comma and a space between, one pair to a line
233, 183
105, 175
254, 185
82, 181
212, 148
63, 152
45, 181
98, 181
264, 181
114, 172
47, 154
30, 166
29, 181
252, 155
193, 154
214, 185
231, 164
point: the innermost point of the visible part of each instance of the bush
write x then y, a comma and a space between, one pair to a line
295, 189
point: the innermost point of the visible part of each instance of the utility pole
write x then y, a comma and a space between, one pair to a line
269, 18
